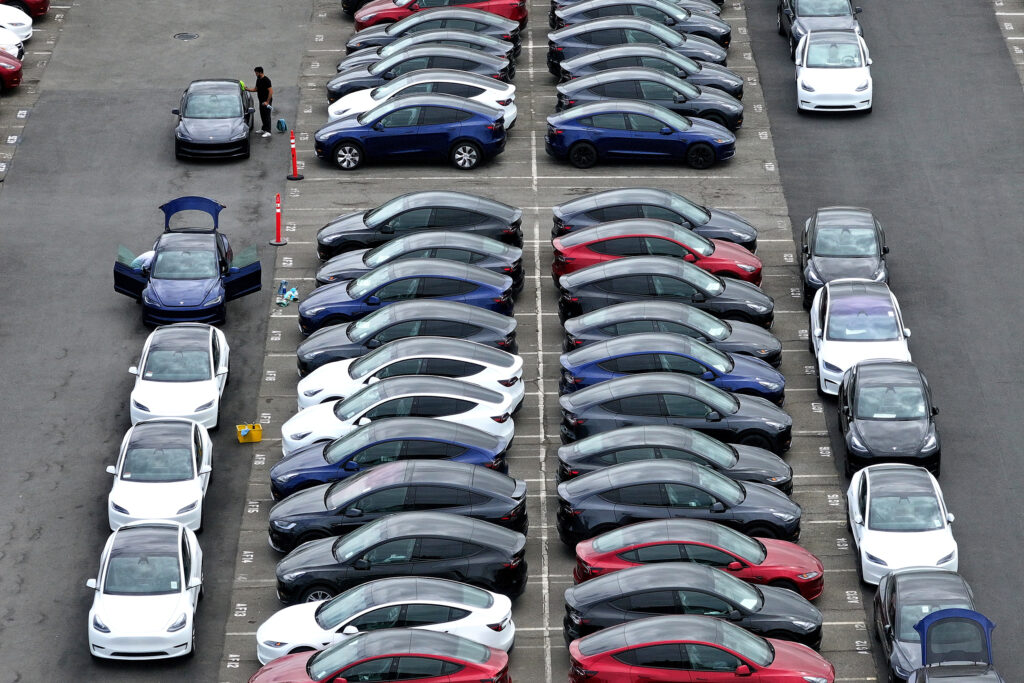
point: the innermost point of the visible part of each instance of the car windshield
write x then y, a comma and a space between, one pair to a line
833, 55
670, 118
212, 106
720, 487
331, 613
714, 450
373, 360
384, 253
135, 573
338, 656
891, 403
754, 648
904, 513
359, 402
842, 242
714, 358
176, 365
737, 591
374, 217
910, 614
364, 284
364, 327
350, 443
697, 215
401, 3
870, 321
173, 264
347, 547
705, 281
157, 464
697, 243
716, 398
823, 8
750, 549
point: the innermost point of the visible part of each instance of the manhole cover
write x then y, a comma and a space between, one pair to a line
186, 36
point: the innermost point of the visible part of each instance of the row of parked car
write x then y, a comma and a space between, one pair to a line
16, 18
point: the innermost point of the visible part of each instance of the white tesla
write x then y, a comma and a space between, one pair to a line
149, 584
16, 21
833, 72
401, 602
854, 320
182, 373
899, 519
162, 472
411, 396
10, 43
468, 361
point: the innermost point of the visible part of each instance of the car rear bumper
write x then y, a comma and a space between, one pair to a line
191, 519
929, 462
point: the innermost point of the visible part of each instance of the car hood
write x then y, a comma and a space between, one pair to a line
340, 226
909, 549
728, 223
846, 354
797, 658
714, 96
738, 291
729, 251
787, 605
308, 420
356, 73
354, 103
287, 669
745, 335
346, 266
784, 554
808, 24
705, 127
308, 556
755, 369
761, 498
831, 268
212, 129
699, 47
305, 502
896, 437
172, 398
758, 462
295, 624
720, 72
185, 293
134, 615
304, 460
155, 500
333, 294
326, 339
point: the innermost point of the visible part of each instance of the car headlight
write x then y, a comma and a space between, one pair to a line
770, 386
805, 625
772, 424
291, 576
931, 442
815, 679
183, 133
784, 516
947, 558
314, 310
368, 17
811, 273
863, 86
9, 67
282, 525
118, 508
747, 269
311, 392
856, 444
299, 436
320, 137
205, 406
828, 366
98, 624
759, 308
216, 300
879, 275
139, 406
804, 86
190, 506
178, 624
240, 134
274, 643
807, 576
722, 141
874, 560
146, 298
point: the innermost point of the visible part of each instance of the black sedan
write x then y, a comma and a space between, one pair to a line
406, 544
796, 18
658, 398
648, 202
668, 13
420, 57
477, 250
418, 211
886, 415
403, 319
688, 588
661, 442
642, 491
214, 120
840, 242
664, 316
458, 18
641, 278
469, 40
404, 486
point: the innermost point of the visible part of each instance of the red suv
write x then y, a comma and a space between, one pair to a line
389, 11
33, 8
10, 72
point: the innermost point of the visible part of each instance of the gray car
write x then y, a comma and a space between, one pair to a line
841, 242
797, 18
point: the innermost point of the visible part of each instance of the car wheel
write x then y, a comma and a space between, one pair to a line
778, 22
582, 155
785, 584
756, 440
465, 155
713, 117
314, 593
700, 156
761, 531
348, 155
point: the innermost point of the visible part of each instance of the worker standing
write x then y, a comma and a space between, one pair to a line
264, 90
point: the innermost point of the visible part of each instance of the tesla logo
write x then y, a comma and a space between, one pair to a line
181, 303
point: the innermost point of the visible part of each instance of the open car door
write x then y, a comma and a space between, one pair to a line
128, 280
244, 274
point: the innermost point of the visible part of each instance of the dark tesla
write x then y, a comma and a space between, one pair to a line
667, 13
214, 120
459, 18
464, 39
841, 242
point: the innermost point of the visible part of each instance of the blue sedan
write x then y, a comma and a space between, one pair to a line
465, 132
190, 273
420, 278
382, 441
663, 352
631, 130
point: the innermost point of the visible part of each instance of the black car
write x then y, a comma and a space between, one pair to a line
661, 442
406, 544
664, 316
464, 247
648, 202
404, 486
689, 588
886, 415
654, 87
469, 40
841, 242
615, 496
643, 278
457, 18
903, 598
658, 57
417, 318
668, 13
419, 211
660, 398
215, 119
419, 57
796, 18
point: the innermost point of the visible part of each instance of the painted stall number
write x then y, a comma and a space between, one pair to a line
788, 258
1018, 50
808, 369
769, 165
12, 139
294, 192
22, 114
802, 334
241, 609
308, 109
318, 38
234, 661
252, 507
748, 56
842, 544
794, 292
758, 107
742, 30
860, 626
248, 556
321, 15
861, 646
271, 376
853, 597
833, 499
314, 65
3, 167
752, 81
286, 261
275, 335
779, 223
1008, 26
763, 134
265, 418
737, 5
289, 227
301, 164
259, 459
825, 451
303, 136
817, 407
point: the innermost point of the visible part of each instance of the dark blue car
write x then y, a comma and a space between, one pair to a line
420, 278
190, 273
663, 352
631, 130
382, 441
465, 132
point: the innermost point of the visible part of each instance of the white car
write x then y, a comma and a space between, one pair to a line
411, 396
150, 581
16, 21
489, 91
162, 472
854, 320
475, 363
401, 602
899, 519
182, 373
833, 72
10, 43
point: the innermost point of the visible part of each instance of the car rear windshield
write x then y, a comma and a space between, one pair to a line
157, 464
212, 106
173, 264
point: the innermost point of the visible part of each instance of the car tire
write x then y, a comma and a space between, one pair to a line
756, 440
713, 117
465, 155
317, 592
582, 155
347, 155
761, 531
778, 22
700, 156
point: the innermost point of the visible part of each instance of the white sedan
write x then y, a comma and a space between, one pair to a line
854, 320
489, 91
149, 584
401, 602
833, 72
10, 43
182, 373
412, 396
162, 472
475, 363
899, 519
16, 21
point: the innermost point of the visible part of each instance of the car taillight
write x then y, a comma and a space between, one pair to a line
494, 464
514, 562
569, 103
574, 419
506, 36
501, 419
508, 382
507, 341
562, 258
497, 75
578, 671
505, 102
501, 625
505, 297
557, 48
573, 341
517, 511
585, 568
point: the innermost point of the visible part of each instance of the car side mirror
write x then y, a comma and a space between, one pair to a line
176, 112
950, 517
350, 466
133, 370
353, 512
713, 416
788, 13
205, 469
194, 583
388, 75
734, 566
858, 10
707, 376
906, 332
699, 298
885, 250
111, 469
373, 343
817, 333
888, 630
689, 258
798, 61
935, 410
91, 583
361, 564
378, 126
363, 421
806, 249
373, 300
718, 506
743, 670
222, 371
349, 630
666, 131
340, 679
857, 519
870, 61
734, 615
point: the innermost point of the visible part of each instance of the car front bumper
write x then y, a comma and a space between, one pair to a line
211, 150
824, 101
141, 646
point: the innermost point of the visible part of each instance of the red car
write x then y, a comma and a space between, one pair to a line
394, 654
691, 648
10, 72
390, 11
651, 237
33, 8
757, 560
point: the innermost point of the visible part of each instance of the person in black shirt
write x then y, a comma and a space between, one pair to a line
264, 90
